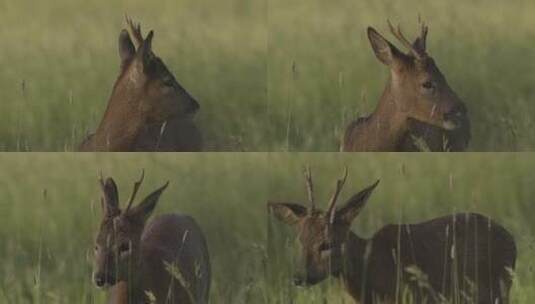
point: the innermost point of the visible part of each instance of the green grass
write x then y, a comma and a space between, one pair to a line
270, 75
50, 210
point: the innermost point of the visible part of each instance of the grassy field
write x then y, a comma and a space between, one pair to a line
49, 206
271, 75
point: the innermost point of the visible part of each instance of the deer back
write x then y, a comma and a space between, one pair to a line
454, 253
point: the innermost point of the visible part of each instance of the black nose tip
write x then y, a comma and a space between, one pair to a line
455, 113
99, 280
298, 281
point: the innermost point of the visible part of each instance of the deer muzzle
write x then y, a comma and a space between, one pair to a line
454, 118
103, 280
306, 280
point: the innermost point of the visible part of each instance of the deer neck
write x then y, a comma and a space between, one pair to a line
388, 123
354, 265
133, 290
121, 125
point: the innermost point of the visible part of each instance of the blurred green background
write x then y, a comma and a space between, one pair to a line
50, 210
270, 75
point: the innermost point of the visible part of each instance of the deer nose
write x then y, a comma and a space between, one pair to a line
455, 113
298, 281
99, 279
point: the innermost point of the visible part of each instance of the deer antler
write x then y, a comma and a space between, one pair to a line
422, 40
399, 35
310, 188
424, 28
135, 31
101, 180
134, 191
332, 204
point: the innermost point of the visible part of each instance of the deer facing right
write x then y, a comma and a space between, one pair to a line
463, 258
148, 110
163, 261
418, 109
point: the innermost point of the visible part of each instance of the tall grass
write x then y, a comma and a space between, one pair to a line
270, 75
50, 211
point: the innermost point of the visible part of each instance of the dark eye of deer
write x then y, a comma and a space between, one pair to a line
428, 85
168, 82
124, 247
324, 247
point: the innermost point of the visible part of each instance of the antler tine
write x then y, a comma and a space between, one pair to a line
100, 179
310, 187
399, 35
134, 191
424, 30
135, 31
421, 22
332, 204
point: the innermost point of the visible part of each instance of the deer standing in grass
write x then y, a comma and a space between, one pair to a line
164, 261
148, 110
417, 111
463, 258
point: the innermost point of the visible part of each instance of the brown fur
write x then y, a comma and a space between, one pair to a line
118, 294
145, 96
452, 252
131, 257
418, 110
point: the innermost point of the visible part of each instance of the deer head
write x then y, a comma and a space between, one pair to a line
419, 90
117, 242
322, 234
150, 91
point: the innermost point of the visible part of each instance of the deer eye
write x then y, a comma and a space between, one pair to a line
124, 247
325, 246
169, 82
428, 85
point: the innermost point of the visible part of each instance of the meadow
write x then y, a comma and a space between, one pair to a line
270, 75
50, 210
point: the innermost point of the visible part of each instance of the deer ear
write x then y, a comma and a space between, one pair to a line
126, 47
144, 209
385, 51
354, 205
287, 212
110, 200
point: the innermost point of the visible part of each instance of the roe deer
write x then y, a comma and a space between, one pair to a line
418, 109
466, 258
165, 260
148, 110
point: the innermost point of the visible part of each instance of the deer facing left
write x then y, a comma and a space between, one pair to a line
148, 109
463, 258
165, 260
